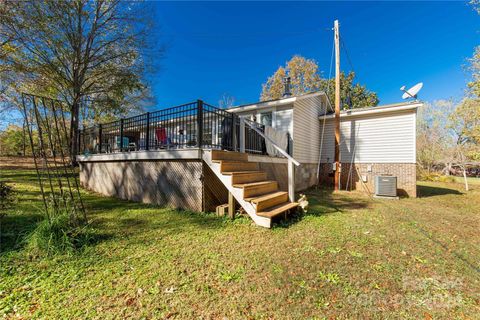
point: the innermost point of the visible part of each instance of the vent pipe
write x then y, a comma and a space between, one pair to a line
286, 83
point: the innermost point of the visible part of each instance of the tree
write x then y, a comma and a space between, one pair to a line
465, 124
476, 5
76, 50
12, 141
226, 101
448, 135
434, 139
306, 77
474, 84
352, 95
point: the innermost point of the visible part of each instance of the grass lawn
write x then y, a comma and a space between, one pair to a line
349, 257
470, 180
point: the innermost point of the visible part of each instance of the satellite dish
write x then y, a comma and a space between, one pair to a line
412, 92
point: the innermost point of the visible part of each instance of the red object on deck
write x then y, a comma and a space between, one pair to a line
161, 135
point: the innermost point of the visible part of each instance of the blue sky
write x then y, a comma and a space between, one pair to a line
232, 47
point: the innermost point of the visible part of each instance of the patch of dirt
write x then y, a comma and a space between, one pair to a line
21, 162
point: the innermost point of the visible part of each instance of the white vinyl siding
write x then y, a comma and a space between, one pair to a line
382, 138
306, 129
281, 116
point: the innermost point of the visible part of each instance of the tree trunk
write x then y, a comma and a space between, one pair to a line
74, 131
24, 143
449, 168
465, 178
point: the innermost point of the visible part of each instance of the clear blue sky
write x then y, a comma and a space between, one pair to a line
232, 47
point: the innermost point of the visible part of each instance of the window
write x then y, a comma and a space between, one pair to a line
266, 118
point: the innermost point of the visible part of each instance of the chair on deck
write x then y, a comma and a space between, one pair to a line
163, 141
126, 145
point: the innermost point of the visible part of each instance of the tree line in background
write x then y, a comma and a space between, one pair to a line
448, 136
94, 55
448, 132
13, 141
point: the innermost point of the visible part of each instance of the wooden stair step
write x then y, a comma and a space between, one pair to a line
248, 177
252, 184
228, 166
269, 200
229, 155
257, 188
279, 209
239, 172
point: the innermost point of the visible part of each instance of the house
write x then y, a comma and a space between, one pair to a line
373, 141
377, 140
196, 156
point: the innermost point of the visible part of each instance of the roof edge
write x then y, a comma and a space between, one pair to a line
272, 103
375, 110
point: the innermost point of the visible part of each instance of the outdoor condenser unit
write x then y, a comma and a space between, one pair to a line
386, 186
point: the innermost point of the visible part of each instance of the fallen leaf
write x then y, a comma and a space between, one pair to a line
130, 301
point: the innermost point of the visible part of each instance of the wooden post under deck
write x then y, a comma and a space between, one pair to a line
291, 180
231, 205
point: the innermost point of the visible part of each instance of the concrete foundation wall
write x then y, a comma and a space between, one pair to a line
182, 184
172, 183
305, 176
405, 173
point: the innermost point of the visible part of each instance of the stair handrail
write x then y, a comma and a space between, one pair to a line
253, 125
291, 160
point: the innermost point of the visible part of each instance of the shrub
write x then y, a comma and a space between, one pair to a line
446, 179
428, 176
435, 176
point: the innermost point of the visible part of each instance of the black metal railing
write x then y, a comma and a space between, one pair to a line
192, 125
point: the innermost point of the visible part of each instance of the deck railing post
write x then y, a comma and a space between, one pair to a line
242, 135
291, 180
234, 133
100, 140
121, 134
199, 123
147, 134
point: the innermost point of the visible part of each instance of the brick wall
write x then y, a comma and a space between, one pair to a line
405, 173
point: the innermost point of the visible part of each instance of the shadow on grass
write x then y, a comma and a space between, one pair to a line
324, 201
429, 191
109, 218
15, 230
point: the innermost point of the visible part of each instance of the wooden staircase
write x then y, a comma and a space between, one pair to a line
259, 196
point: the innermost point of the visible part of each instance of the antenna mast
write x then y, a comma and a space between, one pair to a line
337, 105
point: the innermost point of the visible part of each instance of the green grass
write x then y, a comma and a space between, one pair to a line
349, 257
470, 180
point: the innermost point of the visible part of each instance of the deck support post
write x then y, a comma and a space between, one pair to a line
291, 180
242, 135
231, 206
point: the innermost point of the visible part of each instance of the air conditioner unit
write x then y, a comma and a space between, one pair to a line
386, 186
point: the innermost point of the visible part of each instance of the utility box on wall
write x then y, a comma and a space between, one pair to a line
386, 186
